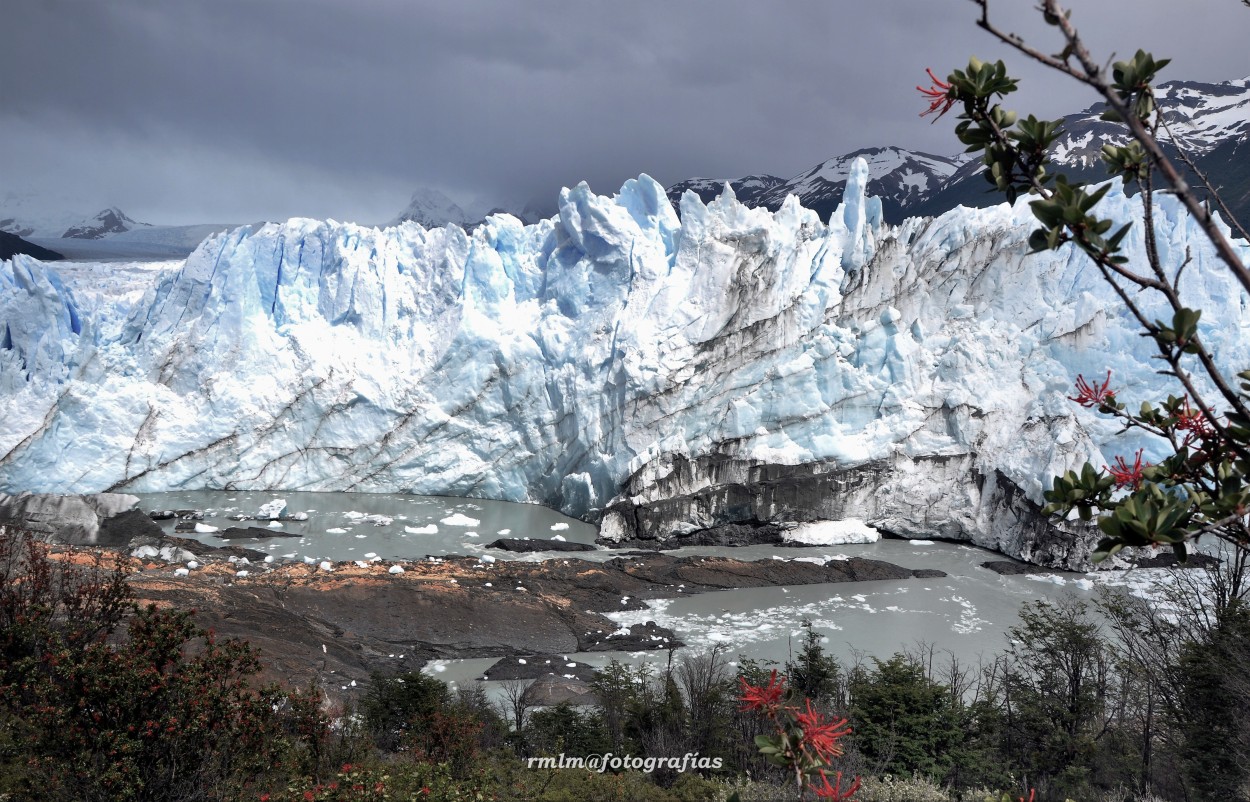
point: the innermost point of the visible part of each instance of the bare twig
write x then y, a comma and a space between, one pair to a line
1092, 74
1183, 151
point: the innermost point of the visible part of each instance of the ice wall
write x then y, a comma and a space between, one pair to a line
573, 362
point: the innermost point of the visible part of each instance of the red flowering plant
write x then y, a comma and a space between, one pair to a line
803, 741
1201, 485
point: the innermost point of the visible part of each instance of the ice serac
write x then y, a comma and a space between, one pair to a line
665, 375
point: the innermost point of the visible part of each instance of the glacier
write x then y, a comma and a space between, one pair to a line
661, 375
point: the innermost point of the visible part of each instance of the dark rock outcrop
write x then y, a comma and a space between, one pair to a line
1012, 568
553, 690
673, 497
534, 666
11, 245
73, 520
252, 533
524, 546
125, 526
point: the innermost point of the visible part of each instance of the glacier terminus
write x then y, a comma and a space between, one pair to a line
662, 374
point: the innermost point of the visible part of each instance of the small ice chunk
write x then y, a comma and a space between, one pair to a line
268, 558
504, 532
274, 524
204, 529
396, 569
557, 537
240, 573
192, 564
181, 572
486, 558
559, 527
336, 531
432, 529
832, 533
271, 509
326, 565
460, 519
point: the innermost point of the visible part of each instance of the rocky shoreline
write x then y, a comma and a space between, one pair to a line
335, 623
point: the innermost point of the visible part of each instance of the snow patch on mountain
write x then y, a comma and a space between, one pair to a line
431, 208
106, 222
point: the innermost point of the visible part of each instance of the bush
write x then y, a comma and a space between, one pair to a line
158, 709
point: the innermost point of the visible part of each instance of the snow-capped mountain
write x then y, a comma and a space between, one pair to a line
106, 222
26, 214
1211, 121
749, 191
900, 178
1202, 116
661, 373
432, 209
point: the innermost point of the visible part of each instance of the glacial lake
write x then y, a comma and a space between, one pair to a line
968, 613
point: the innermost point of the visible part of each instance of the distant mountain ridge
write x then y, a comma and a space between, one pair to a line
433, 209
899, 177
1211, 120
15, 218
108, 221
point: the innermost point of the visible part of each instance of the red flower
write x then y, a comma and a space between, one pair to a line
309, 796
827, 791
765, 697
821, 736
1194, 424
1124, 475
1095, 395
941, 96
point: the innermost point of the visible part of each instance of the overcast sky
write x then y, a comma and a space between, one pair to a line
185, 111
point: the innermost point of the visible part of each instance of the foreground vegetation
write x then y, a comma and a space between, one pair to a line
101, 700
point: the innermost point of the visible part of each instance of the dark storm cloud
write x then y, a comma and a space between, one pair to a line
235, 110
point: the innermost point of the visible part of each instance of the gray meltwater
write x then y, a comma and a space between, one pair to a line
968, 613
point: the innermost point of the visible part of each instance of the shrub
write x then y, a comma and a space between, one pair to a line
158, 709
